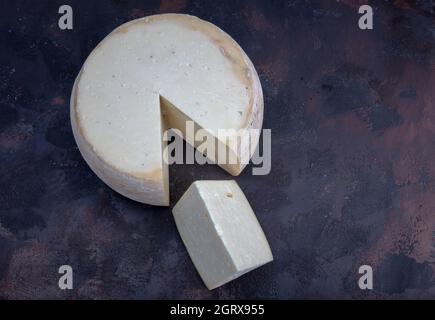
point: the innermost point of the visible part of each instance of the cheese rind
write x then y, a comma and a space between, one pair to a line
116, 101
220, 231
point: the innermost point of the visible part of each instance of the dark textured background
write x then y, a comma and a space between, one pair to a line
352, 115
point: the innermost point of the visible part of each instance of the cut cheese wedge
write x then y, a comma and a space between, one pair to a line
220, 231
156, 73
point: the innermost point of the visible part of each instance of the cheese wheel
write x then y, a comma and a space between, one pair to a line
155, 73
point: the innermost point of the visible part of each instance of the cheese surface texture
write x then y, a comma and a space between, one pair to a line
220, 231
152, 74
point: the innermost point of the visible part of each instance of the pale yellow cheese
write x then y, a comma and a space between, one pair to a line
220, 231
197, 70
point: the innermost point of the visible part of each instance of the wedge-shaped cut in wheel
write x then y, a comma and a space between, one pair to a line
178, 64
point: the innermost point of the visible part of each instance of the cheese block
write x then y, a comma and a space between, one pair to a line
220, 231
156, 73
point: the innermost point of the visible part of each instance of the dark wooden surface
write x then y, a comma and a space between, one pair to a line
352, 115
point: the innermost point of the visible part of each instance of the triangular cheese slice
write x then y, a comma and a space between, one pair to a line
153, 73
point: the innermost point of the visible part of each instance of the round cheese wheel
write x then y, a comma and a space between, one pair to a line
155, 73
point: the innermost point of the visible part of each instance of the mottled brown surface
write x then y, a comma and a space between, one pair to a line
352, 115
